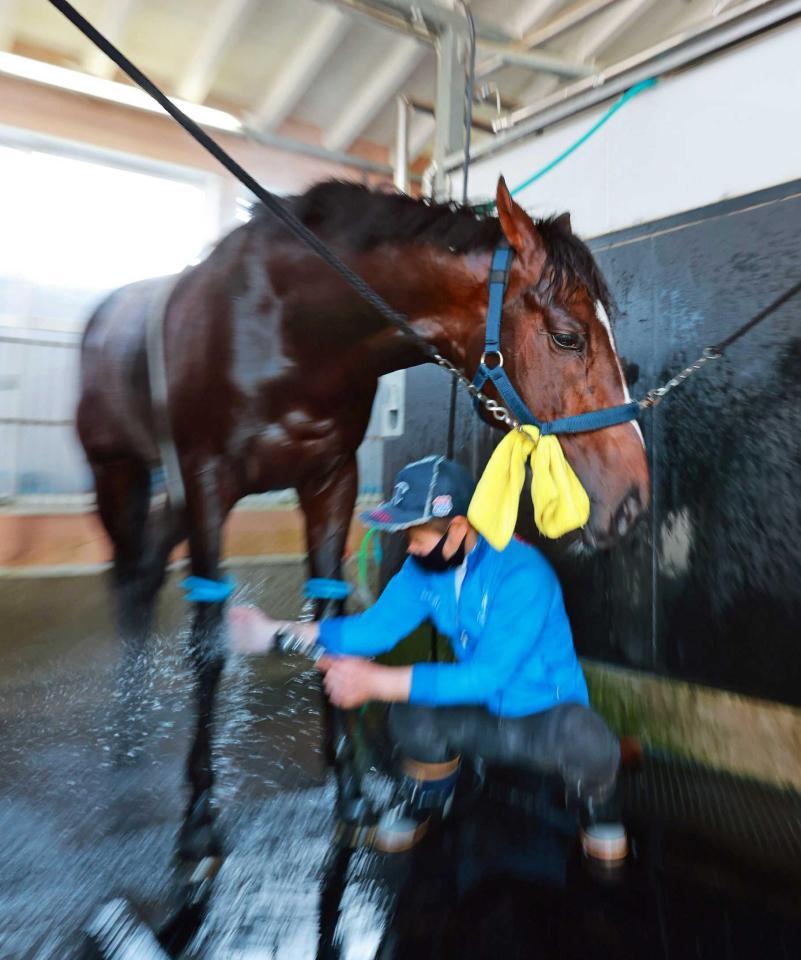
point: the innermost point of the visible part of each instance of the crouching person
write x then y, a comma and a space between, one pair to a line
515, 694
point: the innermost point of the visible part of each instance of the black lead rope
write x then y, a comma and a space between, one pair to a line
762, 315
273, 203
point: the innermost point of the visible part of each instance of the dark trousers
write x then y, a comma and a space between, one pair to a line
569, 740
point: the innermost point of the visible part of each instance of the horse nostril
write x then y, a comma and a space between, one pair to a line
628, 512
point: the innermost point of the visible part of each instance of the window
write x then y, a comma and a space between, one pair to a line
74, 227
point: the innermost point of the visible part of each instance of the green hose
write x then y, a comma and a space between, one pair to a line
628, 95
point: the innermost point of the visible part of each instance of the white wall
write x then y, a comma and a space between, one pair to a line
722, 129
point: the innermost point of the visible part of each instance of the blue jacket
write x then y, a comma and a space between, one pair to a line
509, 632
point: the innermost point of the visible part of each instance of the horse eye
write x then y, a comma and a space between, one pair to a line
567, 341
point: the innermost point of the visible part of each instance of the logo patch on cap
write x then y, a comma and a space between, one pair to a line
400, 491
441, 506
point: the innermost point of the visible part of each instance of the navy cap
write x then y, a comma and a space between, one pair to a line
429, 489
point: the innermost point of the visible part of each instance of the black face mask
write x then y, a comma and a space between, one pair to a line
434, 562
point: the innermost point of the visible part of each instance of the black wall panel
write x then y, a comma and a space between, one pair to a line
708, 588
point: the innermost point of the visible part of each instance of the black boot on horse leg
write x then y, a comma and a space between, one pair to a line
199, 839
353, 809
328, 509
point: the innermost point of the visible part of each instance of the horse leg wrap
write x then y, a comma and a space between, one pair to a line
202, 590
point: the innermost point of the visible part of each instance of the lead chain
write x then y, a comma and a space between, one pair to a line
654, 397
497, 410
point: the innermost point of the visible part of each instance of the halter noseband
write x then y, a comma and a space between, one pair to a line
582, 422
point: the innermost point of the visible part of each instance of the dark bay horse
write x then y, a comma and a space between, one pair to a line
272, 364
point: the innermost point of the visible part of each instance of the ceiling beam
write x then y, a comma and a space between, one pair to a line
403, 57
688, 46
572, 17
226, 21
439, 15
531, 59
111, 22
568, 19
610, 26
604, 31
424, 107
311, 54
429, 19
532, 13
8, 22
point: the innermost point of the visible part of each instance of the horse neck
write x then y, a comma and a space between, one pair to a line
442, 294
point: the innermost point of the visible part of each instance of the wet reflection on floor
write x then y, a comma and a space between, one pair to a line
502, 879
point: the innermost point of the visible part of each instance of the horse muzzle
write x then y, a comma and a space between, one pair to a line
614, 526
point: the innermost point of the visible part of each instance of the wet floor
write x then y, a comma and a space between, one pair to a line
716, 870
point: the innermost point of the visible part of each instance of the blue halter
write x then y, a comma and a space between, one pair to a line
582, 422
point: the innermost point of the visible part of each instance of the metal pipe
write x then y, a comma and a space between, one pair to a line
366, 12
313, 150
470, 82
503, 48
672, 54
427, 180
401, 175
428, 108
449, 108
126, 96
440, 15
566, 20
530, 59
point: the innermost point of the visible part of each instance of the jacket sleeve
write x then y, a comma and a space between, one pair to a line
514, 626
393, 616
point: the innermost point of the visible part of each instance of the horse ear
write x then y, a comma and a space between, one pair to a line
563, 222
517, 225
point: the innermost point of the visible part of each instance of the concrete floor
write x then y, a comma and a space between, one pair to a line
502, 879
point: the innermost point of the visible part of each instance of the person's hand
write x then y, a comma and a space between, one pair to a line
250, 630
350, 681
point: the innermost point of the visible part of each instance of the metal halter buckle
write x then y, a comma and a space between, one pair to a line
492, 353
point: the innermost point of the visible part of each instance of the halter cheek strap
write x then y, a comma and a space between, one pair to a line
582, 422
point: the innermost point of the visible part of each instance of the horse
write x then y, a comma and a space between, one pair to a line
271, 363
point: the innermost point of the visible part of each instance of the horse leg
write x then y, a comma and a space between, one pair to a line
198, 837
328, 508
141, 548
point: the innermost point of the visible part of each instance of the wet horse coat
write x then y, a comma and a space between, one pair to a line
272, 364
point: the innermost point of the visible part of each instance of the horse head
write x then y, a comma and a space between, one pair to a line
559, 352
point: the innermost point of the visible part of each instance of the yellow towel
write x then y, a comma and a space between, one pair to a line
560, 502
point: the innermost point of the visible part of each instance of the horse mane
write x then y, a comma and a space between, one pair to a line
362, 219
